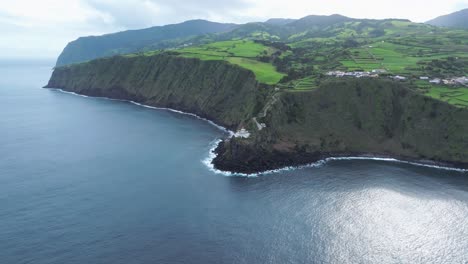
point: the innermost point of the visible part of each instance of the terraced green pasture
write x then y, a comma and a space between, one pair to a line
379, 55
307, 83
396, 58
455, 96
300, 85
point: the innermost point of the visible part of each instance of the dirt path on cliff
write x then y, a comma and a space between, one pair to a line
263, 114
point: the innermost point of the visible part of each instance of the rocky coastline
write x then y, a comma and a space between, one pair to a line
357, 118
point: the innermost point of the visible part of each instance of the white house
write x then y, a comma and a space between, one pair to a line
461, 80
242, 133
448, 82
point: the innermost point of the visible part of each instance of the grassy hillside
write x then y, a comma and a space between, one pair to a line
452, 95
244, 53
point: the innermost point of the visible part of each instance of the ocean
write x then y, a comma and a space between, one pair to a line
90, 180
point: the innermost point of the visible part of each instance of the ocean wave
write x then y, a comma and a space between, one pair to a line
208, 161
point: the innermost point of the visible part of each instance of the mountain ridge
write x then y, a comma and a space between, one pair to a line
186, 33
457, 19
92, 47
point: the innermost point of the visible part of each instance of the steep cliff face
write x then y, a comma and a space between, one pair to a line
355, 117
341, 118
219, 91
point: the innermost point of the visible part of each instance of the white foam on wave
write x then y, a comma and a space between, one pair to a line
212, 155
208, 161
67, 92
231, 133
419, 164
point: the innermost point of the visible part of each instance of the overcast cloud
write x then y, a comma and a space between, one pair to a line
32, 28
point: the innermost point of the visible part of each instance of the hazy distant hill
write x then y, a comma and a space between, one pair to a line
281, 29
335, 28
456, 20
279, 21
309, 22
191, 32
88, 48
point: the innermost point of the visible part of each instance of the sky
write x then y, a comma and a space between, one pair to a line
41, 29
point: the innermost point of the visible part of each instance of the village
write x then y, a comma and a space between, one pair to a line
455, 81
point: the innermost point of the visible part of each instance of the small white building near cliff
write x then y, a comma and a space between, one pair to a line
243, 133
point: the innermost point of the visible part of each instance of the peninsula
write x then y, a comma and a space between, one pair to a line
297, 91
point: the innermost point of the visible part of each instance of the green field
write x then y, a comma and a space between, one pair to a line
305, 84
243, 53
455, 96
233, 48
398, 58
265, 72
394, 58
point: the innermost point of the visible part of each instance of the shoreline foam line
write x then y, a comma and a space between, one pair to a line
212, 155
231, 133
208, 161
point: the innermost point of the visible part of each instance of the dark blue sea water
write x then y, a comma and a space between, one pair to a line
86, 180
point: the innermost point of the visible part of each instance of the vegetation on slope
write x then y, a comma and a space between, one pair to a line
353, 117
224, 93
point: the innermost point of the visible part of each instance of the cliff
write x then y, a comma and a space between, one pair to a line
224, 93
340, 118
352, 117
